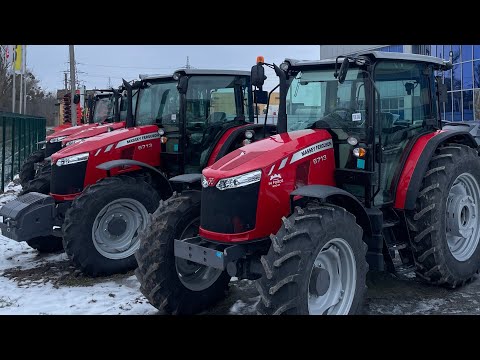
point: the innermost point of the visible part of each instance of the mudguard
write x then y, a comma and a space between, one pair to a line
336, 196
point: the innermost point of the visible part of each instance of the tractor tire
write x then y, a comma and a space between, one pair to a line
41, 181
46, 244
444, 226
27, 171
158, 269
315, 265
101, 227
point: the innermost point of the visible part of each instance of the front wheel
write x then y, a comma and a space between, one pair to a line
174, 285
27, 171
100, 232
316, 264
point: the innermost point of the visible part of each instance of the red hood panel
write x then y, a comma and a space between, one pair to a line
70, 130
264, 153
94, 131
97, 142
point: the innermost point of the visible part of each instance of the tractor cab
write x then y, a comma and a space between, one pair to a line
374, 105
193, 109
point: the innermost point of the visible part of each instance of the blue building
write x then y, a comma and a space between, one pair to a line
463, 81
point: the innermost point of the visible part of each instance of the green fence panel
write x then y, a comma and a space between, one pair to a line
19, 135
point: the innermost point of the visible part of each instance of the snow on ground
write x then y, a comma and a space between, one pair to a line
10, 192
32, 283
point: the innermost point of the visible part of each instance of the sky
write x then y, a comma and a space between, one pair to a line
99, 64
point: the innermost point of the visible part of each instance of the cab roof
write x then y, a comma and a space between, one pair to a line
377, 55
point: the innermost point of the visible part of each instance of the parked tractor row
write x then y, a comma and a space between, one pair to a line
191, 191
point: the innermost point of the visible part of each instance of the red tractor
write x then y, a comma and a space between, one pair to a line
103, 188
362, 175
103, 108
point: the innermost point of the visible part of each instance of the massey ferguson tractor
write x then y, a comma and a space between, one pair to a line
103, 188
360, 176
103, 108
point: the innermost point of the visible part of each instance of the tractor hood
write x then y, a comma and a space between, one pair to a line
70, 131
93, 131
108, 140
284, 148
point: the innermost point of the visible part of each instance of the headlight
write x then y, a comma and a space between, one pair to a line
72, 159
71, 142
161, 132
249, 134
57, 139
204, 181
240, 180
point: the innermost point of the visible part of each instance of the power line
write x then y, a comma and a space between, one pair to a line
132, 67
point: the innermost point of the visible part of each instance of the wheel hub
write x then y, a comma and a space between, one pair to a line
462, 221
461, 215
332, 283
117, 225
319, 286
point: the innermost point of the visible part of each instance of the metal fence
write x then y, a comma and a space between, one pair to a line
19, 135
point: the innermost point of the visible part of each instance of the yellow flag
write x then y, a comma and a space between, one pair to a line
17, 65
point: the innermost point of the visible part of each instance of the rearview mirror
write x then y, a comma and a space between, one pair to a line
76, 98
260, 96
342, 73
257, 75
442, 90
182, 85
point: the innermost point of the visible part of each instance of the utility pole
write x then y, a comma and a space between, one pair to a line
66, 81
188, 63
72, 84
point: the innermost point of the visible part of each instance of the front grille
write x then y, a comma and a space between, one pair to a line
229, 211
68, 179
51, 148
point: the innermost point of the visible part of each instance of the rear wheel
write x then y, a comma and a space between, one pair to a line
27, 171
445, 225
46, 244
41, 181
316, 264
174, 285
101, 227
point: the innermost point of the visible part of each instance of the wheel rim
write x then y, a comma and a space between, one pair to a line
462, 226
192, 275
333, 279
116, 227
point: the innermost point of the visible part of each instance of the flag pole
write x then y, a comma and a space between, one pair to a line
25, 85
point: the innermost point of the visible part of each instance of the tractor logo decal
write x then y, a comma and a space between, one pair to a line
315, 148
282, 165
137, 139
211, 181
275, 180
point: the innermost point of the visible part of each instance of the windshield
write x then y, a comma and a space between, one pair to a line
316, 97
158, 103
103, 109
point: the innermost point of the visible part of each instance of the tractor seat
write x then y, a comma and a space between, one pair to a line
215, 117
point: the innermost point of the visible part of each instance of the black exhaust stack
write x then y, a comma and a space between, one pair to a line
129, 120
116, 110
90, 104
